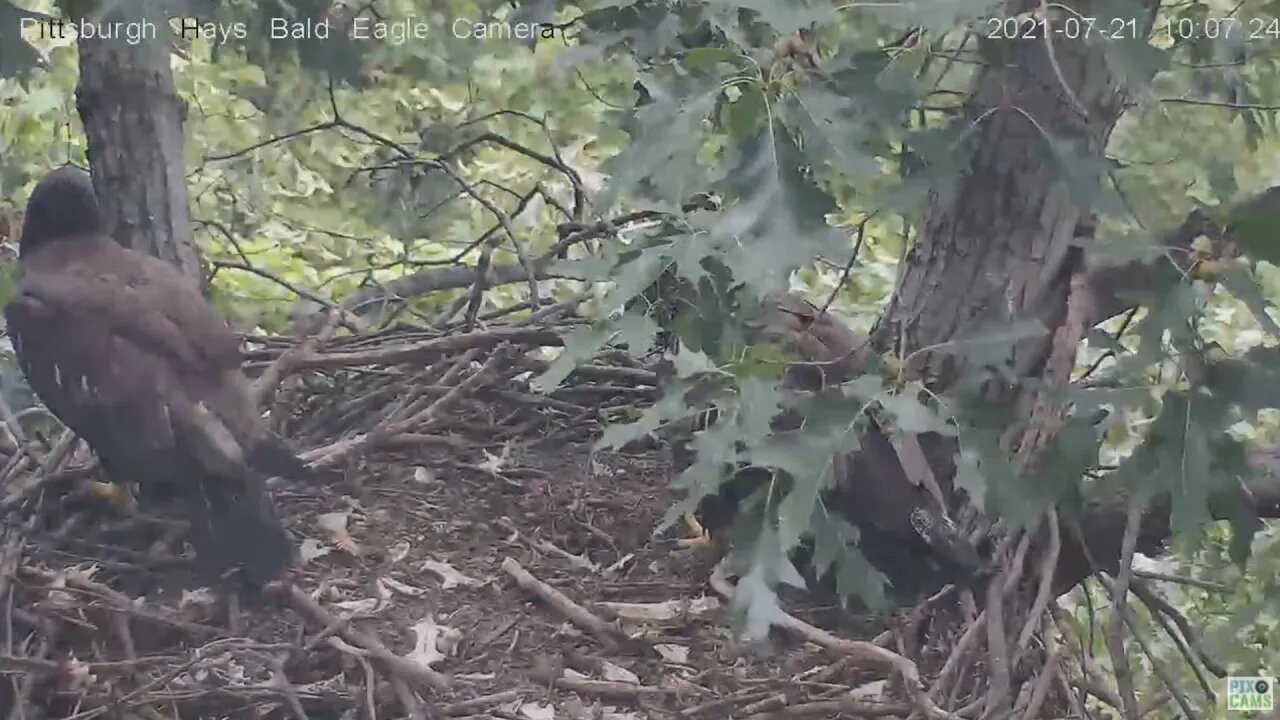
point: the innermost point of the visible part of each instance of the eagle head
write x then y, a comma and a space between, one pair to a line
62, 205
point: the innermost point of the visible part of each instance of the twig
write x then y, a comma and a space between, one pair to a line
467, 707
477, 289
720, 704
1159, 606
1044, 592
608, 634
410, 352
834, 708
1182, 638
422, 678
854, 648
288, 360
1157, 665
345, 317
1115, 634
599, 688
329, 455
1193, 582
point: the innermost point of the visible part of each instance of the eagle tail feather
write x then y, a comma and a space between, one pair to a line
238, 527
273, 458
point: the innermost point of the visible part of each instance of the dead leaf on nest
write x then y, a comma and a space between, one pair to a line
536, 711
365, 606
493, 463
449, 576
311, 549
672, 653
200, 597
335, 524
435, 642
79, 674
398, 552
874, 690
401, 587
423, 476
58, 596
617, 673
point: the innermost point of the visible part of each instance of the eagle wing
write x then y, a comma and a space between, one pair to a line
131, 358
138, 297
105, 335
98, 383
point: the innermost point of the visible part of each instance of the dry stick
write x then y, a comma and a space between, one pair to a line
118, 601
608, 634
281, 680
423, 678
857, 649
746, 696
775, 701
46, 474
943, 684
10, 557
370, 678
1192, 582
833, 708
408, 352
1047, 672
579, 561
1044, 592
332, 453
598, 688
531, 271
997, 642
286, 363
1115, 634
467, 707
997, 699
480, 285
27, 682
1160, 605
442, 320
1162, 672
1144, 593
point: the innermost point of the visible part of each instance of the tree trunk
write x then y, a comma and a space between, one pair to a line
1000, 244
133, 121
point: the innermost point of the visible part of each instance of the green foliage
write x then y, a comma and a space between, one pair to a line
785, 151
653, 102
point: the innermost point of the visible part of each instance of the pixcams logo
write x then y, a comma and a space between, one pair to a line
1251, 693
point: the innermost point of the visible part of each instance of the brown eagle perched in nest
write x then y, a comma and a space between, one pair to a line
124, 349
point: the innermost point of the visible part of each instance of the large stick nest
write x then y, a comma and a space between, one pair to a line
466, 554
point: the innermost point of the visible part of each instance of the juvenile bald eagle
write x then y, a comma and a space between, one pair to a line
124, 349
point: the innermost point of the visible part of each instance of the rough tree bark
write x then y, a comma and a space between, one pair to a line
1000, 245
133, 119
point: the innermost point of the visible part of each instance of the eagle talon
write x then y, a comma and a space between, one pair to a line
700, 538
114, 494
